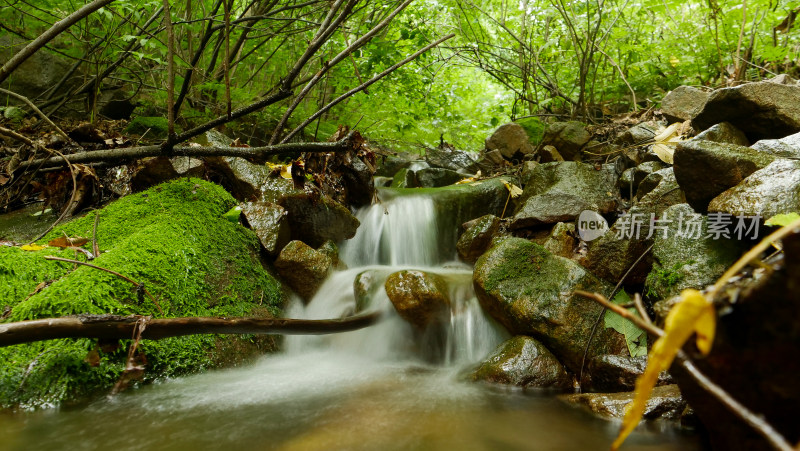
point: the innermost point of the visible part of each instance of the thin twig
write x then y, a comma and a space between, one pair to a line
755, 421
127, 279
637, 302
95, 245
37, 111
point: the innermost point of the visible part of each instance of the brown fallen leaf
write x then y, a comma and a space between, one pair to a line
65, 241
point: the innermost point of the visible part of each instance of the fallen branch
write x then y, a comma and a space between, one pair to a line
258, 154
114, 327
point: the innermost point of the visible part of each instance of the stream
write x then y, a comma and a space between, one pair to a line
384, 387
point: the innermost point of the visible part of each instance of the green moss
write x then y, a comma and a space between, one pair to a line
535, 129
175, 240
661, 280
153, 126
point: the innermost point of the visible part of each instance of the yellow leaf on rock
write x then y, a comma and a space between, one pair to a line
32, 247
513, 189
693, 314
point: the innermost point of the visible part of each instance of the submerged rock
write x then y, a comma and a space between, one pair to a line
524, 362
767, 192
530, 292
559, 192
511, 140
478, 237
665, 403
172, 238
705, 169
303, 268
761, 110
419, 297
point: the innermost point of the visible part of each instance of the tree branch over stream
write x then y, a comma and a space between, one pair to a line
122, 327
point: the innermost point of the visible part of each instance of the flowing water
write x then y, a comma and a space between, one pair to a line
384, 387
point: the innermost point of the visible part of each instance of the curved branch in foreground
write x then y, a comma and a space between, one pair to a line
122, 327
256, 154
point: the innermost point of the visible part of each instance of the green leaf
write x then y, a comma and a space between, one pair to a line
233, 214
635, 338
782, 220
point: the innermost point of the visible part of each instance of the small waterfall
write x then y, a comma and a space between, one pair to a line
399, 233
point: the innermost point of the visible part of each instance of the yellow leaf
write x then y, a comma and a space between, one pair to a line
469, 179
693, 314
513, 189
674, 61
32, 247
665, 142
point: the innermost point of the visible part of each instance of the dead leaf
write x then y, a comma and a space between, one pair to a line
666, 141
65, 241
692, 315
93, 358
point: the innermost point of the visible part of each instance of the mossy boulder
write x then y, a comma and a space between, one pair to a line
530, 292
173, 239
535, 129
478, 237
524, 362
419, 297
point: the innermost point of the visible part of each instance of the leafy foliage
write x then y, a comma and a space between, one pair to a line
635, 338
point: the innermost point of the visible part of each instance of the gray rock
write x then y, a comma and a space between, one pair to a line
244, 180
665, 403
611, 255
530, 292
477, 238
617, 373
524, 362
683, 103
303, 268
562, 240
269, 223
449, 158
685, 256
548, 154
653, 179
419, 297
761, 110
772, 190
436, 177
559, 192
40, 72
491, 157
152, 171
643, 170
638, 134
787, 147
388, 166
705, 169
315, 219
359, 188
625, 183
527, 169
568, 137
723, 132
511, 140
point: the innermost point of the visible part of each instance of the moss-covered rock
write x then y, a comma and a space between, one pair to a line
419, 297
174, 240
478, 237
530, 292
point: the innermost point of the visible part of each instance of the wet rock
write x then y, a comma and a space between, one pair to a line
382, 182
705, 169
530, 292
788, 147
269, 223
559, 192
723, 132
452, 159
365, 286
753, 357
436, 177
665, 403
611, 255
625, 183
638, 134
244, 180
404, 178
761, 110
419, 297
315, 219
511, 140
562, 240
152, 171
617, 373
527, 169
653, 179
548, 154
772, 190
389, 165
645, 169
359, 187
303, 268
330, 249
491, 157
524, 362
477, 238
568, 137
683, 103
686, 255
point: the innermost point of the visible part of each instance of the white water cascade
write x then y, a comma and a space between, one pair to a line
401, 233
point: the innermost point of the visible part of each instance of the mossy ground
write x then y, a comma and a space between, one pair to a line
173, 239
